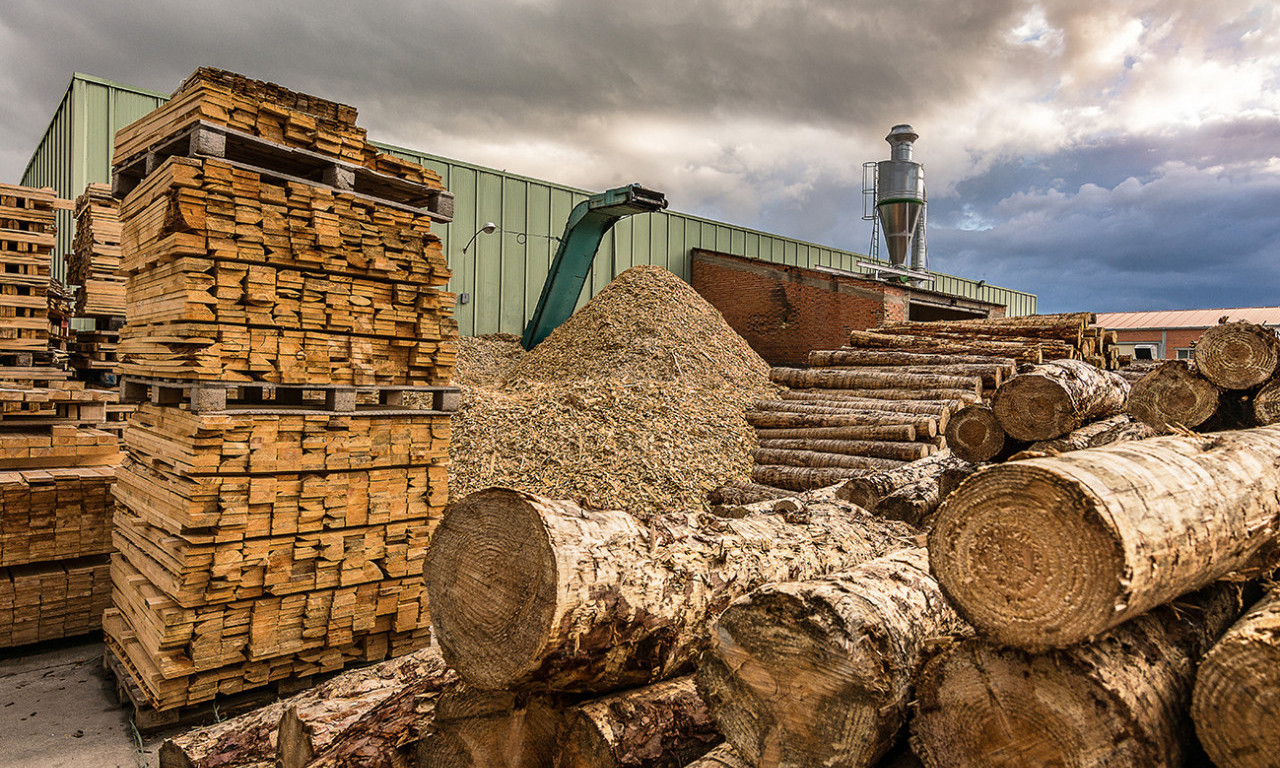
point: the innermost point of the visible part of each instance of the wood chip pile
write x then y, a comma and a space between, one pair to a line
635, 403
284, 292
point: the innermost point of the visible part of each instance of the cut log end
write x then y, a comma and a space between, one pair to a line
974, 434
491, 580
1035, 408
1024, 556
1173, 394
1237, 355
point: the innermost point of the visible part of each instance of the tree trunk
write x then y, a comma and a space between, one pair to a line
856, 378
1050, 551
1052, 399
1237, 355
1173, 394
893, 395
868, 490
800, 457
1113, 429
530, 592
472, 728
885, 357
819, 672
664, 725
1119, 701
803, 478
1266, 403
925, 426
991, 375
899, 433
723, 756
849, 448
1236, 703
1022, 352
322, 713
834, 398
914, 504
1067, 322
974, 434
738, 494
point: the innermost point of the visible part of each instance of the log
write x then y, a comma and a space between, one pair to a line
472, 728
1173, 394
744, 493
974, 434
1023, 353
833, 398
803, 478
866, 491
925, 426
723, 756
1048, 552
532, 592
322, 713
1113, 429
1237, 355
799, 457
914, 504
991, 375
1065, 322
664, 725
1236, 701
876, 448
819, 672
1266, 403
856, 378
884, 357
1119, 701
896, 395
1054, 398
899, 433
815, 408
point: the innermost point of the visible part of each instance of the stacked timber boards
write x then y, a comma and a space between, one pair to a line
283, 292
27, 238
93, 267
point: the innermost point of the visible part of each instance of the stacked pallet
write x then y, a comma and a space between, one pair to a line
27, 238
92, 267
277, 495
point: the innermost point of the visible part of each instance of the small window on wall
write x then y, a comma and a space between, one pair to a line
1184, 354
1145, 351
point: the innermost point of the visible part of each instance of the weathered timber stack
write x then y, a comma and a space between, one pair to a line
1236, 703
27, 238
1028, 338
283, 296
93, 267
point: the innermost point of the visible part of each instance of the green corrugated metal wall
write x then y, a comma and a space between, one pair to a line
502, 273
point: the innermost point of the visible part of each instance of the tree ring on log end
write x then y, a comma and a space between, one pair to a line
1236, 705
981, 705
1237, 355
1025, 557
1032, 407
491, 585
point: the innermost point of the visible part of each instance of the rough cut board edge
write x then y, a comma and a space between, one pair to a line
208, 140
204, 396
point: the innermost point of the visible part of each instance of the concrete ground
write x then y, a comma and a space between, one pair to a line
58, 710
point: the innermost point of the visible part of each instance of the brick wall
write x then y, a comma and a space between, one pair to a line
1173, 339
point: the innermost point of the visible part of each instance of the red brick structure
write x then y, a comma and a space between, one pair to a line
1170, 334
785, 311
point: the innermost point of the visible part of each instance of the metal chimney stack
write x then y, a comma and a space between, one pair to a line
900, 199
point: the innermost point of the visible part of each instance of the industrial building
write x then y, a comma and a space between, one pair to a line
1171, 334
499, 276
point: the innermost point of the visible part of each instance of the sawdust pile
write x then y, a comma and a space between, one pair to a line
635, 403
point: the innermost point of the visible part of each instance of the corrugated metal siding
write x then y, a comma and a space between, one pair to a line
502, 273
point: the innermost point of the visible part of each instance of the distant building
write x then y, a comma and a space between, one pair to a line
1170, 334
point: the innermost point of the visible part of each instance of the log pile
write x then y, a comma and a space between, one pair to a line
27, 238
278, 493
92, 267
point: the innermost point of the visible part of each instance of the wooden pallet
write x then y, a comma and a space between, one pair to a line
278, 161
261, 398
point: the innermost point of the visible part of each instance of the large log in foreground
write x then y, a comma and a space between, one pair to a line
819, 672
471, 728
1119, 701
1237, 355
1047, 552
664, 725
1054, 398
529, 591
1236, 704
1173, 394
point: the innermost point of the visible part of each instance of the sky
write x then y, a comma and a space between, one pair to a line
1106, 156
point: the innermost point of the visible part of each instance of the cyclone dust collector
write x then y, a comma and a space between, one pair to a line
894, 200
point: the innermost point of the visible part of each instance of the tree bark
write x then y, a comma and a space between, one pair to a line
991, 375
1119, 701
1173, 394
833, 398
664, 725
875, 448
1266, 403
885, 357
925, 425
800, 457
819, 672
856, 378
1236, 702
868, 490
531, 592
894, 395
1113, 429
1055, 398
472, 728
1048, 552
1237, 355
900, 433
738, 494
974, 434
723, 756
323, 713
1065, 322
1033, 352
802, 478
914, 504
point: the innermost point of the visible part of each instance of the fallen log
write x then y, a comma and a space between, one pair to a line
1266, 404
802, 478
472, 728
819, 672
1121, 700
737, 494
898, 433
1236, 702
974, 434
533, 592
1173, 394
797, 457
664, 725
1054, 398
832, 398
868, 490
1047, 552
320, 715
925, 425
1237, 355
914, 504
858, 378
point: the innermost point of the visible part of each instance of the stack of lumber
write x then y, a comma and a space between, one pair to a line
92, 267
27, 238
277, 497
61, 300
52, 600
1231, 381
